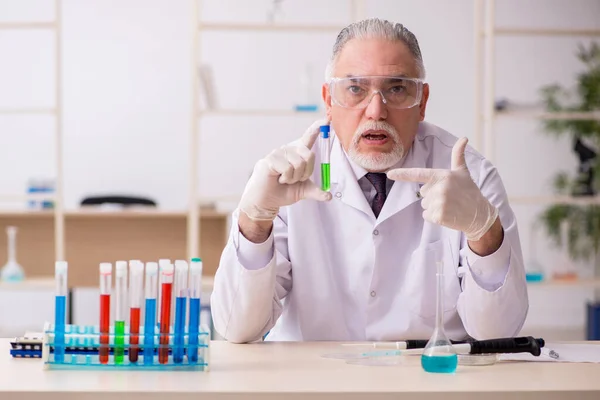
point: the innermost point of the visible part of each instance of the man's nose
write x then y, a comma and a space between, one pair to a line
376, 109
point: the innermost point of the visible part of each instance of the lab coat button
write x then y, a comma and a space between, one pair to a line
373, 294
338, 194
375, 232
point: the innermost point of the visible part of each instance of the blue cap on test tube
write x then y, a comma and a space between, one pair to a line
324, 129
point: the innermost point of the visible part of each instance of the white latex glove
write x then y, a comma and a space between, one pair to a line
450, 197
282, 178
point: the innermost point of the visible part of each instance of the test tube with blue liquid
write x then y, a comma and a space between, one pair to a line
439, 356
181, 293
325, 162
60, 276
194, 320
151, 291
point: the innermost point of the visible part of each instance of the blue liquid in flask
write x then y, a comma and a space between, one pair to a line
439, 355
440, 363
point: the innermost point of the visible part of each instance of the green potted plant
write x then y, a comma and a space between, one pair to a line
575, 226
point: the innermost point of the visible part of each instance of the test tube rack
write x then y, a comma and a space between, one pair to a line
81, 348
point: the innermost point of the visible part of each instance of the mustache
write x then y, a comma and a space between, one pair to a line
375, 125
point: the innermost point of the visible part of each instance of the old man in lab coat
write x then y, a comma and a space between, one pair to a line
358, 262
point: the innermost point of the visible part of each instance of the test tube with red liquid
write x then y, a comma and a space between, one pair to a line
105, 286
166, 293
136, 284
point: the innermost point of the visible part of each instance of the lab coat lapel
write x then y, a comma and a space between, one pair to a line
344, 185
402, 193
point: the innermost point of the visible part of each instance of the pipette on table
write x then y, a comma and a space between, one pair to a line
136, 283
121, 309
412, 344
195, 307
325, 162
151, 290
181, 283
60, 276
525, 344
400, 345
166, 292
105, 286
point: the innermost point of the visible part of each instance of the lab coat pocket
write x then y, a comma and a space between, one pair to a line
421, 281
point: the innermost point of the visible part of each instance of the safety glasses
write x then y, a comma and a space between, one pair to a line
356, 92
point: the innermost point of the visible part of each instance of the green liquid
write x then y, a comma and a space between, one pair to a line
442, 364
119, 341
325, 177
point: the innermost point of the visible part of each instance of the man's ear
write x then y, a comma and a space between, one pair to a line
424, 99
326, 99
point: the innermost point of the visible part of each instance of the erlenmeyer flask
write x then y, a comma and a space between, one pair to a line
439, 355
12, 271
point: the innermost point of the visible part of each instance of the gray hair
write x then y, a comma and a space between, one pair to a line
376, 28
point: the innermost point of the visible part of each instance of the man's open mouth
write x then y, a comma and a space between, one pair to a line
375, 136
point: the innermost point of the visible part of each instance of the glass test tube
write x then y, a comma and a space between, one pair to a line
325, 162
166, 289
121, 309
161, 263
194, 321
181, 291
60, 276
136, 284
105, 286
151, 291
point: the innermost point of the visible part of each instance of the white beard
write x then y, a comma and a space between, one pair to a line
376, 162
381, 161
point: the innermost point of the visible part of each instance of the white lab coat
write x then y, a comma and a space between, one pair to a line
332, 271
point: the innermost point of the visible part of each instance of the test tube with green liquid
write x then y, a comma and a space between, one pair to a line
325, 166
121, 310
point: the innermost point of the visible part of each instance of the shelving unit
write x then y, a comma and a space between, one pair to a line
94, 235
268, 27
582, 116
546, 32
261, 113
57, 198
575, 283
357, 10
555, 200
485, 34
42, 224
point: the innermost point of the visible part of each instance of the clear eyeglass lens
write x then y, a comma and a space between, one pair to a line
357, 92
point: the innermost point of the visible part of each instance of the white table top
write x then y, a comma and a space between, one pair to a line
296, 370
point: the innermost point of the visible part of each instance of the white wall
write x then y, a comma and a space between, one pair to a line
127, 88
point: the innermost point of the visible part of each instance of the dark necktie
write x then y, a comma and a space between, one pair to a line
378, 179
